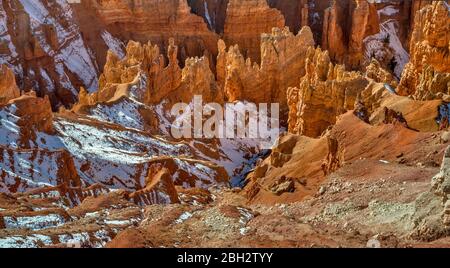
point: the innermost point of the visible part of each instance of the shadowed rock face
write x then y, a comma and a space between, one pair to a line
214, 12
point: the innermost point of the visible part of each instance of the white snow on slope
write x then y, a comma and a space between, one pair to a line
32, 241
114, 44
124, 113
375, 44
71, 50
11, 58
388, 11
34, 168
38, 222
9, 131
208, 17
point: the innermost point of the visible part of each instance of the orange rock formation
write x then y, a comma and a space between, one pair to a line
427, 72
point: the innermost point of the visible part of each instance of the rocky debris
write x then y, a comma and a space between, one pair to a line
432, 214
441, 183
283, 185
349, 214
428, 47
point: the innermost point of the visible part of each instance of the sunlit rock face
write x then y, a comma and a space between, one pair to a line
427, 72
325, 92
282, 65
8, 86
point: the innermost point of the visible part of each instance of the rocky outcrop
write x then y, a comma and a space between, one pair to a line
429, 47
415, 7
143, 70
325, 92
419, 115
35, 115
246, 21
346, 24
8, 86
159, 188
291, 172
29, 116
432, 85
144, 74
335, 157
376, 72
282, 65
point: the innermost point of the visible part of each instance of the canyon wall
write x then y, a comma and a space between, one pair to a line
156, 21
214, 12
296, 13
